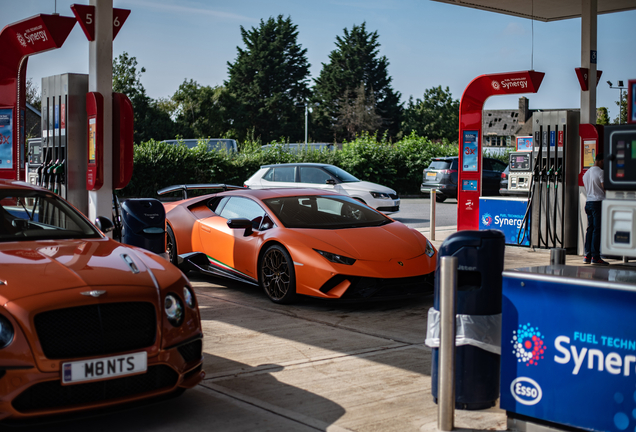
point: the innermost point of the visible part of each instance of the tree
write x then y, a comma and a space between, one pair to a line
267, 80
435, 117
150, 120
353, 63
602, 116
622, 117
33, 94
358, 115
198, 111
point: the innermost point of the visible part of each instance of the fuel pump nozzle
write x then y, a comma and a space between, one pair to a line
58, 173
50, 174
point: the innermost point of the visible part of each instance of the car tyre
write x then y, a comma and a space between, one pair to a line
277, 275
440, 197
171, 246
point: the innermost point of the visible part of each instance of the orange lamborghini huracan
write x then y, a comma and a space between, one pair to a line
86, 322
298, 241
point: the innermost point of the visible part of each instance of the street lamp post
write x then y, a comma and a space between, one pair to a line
304, 104
620, 88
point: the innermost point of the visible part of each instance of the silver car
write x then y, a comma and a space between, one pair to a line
327, 177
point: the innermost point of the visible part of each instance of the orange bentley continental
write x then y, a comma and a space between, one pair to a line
86, 322
298, 241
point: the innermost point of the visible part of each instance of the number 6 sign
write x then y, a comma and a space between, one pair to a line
86, 17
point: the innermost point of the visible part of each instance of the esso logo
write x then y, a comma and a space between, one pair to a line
526, 391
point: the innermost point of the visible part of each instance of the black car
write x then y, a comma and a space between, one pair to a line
441, 175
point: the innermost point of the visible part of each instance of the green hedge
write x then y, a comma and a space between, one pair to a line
396, 165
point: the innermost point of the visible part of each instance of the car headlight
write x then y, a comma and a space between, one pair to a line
430, 250
380, 195
6, 332
188, 297
335, 258
174, 309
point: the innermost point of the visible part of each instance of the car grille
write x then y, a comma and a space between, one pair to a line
363, 287
192, 350
93, 330
393, 196
51, 394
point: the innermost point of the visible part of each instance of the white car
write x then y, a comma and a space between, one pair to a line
327, 177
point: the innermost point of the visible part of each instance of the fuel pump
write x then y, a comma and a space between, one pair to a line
618, 227
553, 197
62, 167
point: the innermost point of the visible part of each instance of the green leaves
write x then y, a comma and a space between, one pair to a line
398, 166
266, 81
435, 117
341, 110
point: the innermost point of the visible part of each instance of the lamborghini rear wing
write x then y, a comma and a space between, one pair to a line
186, 187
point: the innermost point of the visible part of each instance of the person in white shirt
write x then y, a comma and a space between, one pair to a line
593, 182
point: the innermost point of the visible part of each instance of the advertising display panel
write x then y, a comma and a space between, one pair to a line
6, 138
506, 215
568, 346
524, 143
470, 151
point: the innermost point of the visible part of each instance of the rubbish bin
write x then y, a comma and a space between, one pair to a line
480, 256
144, 224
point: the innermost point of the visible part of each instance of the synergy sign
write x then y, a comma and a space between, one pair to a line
506, 216
568, 352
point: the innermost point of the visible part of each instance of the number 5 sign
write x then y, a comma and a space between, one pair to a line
86, 17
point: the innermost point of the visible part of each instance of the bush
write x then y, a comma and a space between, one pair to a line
396, 165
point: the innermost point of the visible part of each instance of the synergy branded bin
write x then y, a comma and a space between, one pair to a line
480, 256
144, 224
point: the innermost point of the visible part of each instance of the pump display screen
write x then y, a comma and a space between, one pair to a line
620, 157
519, 162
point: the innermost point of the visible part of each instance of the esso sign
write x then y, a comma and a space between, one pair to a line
526, 391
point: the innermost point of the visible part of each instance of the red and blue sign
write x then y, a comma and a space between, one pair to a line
506, 215
524, 143
568, 353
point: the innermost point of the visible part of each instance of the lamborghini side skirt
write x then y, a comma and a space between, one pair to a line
198, 261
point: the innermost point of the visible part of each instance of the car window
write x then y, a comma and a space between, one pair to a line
340, 174
36, 215
486, 165
281, 174
324, 212
313, 175
498, 166
439, 165
240, 207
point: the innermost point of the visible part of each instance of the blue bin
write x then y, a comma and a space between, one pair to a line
144, 224
480, 256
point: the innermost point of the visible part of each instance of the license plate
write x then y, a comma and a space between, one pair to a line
431, 174
103, 368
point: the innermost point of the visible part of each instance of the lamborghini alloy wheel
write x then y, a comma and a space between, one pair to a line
277, 275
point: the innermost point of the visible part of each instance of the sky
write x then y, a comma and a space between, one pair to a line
427, 44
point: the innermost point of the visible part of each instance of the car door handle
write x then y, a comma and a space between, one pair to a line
205, 228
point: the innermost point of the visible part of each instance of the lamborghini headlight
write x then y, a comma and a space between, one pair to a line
6, 332
430, 250
335, 258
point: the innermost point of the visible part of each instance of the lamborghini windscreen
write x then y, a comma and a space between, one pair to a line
324, 212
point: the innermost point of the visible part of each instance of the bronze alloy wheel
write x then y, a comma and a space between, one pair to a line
277, 275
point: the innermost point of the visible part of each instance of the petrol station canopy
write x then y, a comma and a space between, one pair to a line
543, 10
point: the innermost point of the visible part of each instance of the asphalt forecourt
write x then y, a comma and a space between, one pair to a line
314, 365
